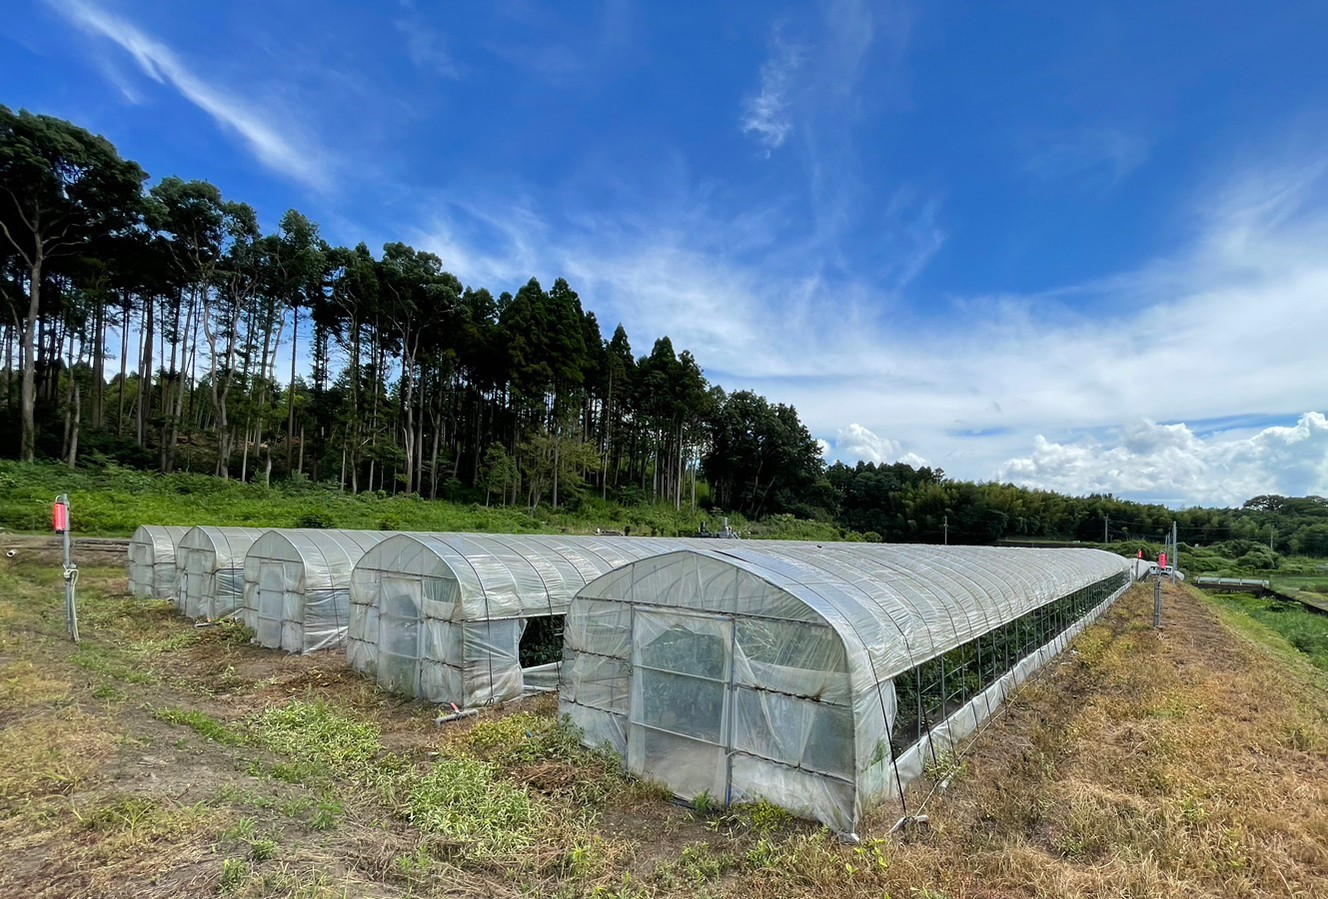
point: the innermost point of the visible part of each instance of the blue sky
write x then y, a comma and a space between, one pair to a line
1074, 247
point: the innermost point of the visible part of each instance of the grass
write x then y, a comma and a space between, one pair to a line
204, 724
1304, 631
1190, 762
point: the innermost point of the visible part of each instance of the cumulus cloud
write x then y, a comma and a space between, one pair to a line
856, 442
268, 141
1170, 463
767, 113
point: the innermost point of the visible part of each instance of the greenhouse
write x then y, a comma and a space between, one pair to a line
818, 677
471, 619
152, 561
297, 586
209, 570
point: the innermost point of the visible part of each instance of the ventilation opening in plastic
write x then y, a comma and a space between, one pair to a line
540, 653
939, 687
542, 641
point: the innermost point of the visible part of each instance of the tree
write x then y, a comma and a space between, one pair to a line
499, 474
761, 458
59, 187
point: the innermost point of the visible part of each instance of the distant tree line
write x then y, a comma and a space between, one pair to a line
898, 503
416, 382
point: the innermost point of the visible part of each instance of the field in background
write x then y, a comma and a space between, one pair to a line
162, 759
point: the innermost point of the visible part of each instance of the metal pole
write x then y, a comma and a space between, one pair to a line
1157, 602
946, 525
1175, 551
1106, 529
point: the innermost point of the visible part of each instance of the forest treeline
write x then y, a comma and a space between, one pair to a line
408, 380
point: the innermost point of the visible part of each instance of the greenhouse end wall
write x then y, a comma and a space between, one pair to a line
151, 561
297, 586
210, 570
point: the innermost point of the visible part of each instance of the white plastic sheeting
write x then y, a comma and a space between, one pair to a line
152, 561
440, 616
297, 586
765, 670
209, 566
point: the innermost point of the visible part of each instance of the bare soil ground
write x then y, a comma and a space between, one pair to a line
156, 759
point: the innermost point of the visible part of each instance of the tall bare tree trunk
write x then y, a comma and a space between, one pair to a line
28, 397
99, 363
124, 368
145, 373
290, 402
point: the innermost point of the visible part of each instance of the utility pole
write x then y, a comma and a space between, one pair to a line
1272, 532
1175, 550
945, 525
1106, 529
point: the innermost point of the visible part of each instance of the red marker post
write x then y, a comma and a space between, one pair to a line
60, 524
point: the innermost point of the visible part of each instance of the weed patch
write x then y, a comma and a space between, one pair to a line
203, 724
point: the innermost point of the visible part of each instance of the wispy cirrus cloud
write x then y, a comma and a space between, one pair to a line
1105, 155
276, 147
426, 47
767, 113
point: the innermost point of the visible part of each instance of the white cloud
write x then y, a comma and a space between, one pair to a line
1171, 464
426, 48
767, 114
857, 442
273, 147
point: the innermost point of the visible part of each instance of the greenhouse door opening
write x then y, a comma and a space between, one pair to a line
270, 605
540, 652
679, 727
399, 612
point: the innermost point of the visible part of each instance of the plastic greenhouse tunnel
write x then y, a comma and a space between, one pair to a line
209, 565
297, 586
472, 619
821, 678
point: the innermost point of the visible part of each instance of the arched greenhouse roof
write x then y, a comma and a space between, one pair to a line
327, 556
161, 538
900, 604
227, 545
504, 575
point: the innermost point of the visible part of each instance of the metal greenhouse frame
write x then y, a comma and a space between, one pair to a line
209, 565
818, 677
297, 586
152, 561
444, 616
